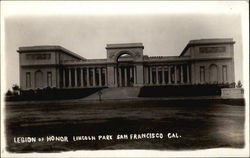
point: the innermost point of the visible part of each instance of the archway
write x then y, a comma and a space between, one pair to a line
38, 79
125, 69
213, 73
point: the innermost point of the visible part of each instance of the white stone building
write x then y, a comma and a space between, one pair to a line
206, 61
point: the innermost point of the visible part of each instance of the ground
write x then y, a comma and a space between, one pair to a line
200, 124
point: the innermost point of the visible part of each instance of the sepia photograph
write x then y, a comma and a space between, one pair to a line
124, 78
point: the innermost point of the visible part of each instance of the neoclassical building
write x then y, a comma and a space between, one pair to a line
205, 61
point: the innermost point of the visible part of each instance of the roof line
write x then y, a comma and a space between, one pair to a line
48, 48
199, 42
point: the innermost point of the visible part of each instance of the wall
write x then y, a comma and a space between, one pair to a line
114, 51
207, 63
212, 54
45, 61
32, 70
212, 51
37, 58
65, 57
200, 55
232, 93
136, 53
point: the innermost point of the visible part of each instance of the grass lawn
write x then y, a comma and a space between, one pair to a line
201, 125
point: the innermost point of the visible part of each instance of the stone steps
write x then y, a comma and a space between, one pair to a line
116, 93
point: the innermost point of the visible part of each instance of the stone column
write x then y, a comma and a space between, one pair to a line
120, 77
188, 78
94, 84
135, 75
125, 76
70, 77
207, 79
131, 72
219, 69
169, 74
115, 76
110, 75
181, 74
146, 75
193, 76
81, 71
151, 75
163, 75
157, 77
87, 69
105, 76
139, 74
100, 76
175, 75
64, 76
75, 77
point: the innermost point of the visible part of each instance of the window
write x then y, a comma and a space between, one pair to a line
28, 80
49, 79
224, 73
202, 74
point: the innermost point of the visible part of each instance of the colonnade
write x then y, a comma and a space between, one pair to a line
167, 74
73, 77
125, 76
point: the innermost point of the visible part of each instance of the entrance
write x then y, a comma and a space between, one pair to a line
125, 71
125, 76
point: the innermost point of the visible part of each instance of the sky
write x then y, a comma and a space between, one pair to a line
86, 28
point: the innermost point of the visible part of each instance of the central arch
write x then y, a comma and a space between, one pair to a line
125, 69
124, 52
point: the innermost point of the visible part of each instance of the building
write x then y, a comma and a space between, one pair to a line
205, 61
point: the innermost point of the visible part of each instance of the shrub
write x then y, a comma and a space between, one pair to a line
239, 84
9, 93
182, 90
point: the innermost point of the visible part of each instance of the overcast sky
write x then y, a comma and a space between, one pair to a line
162, 33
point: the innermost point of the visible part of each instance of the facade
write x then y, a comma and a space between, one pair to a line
205, 61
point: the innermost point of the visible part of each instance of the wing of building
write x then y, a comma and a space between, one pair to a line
205, 61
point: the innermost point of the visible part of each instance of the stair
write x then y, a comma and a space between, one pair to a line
116, 93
